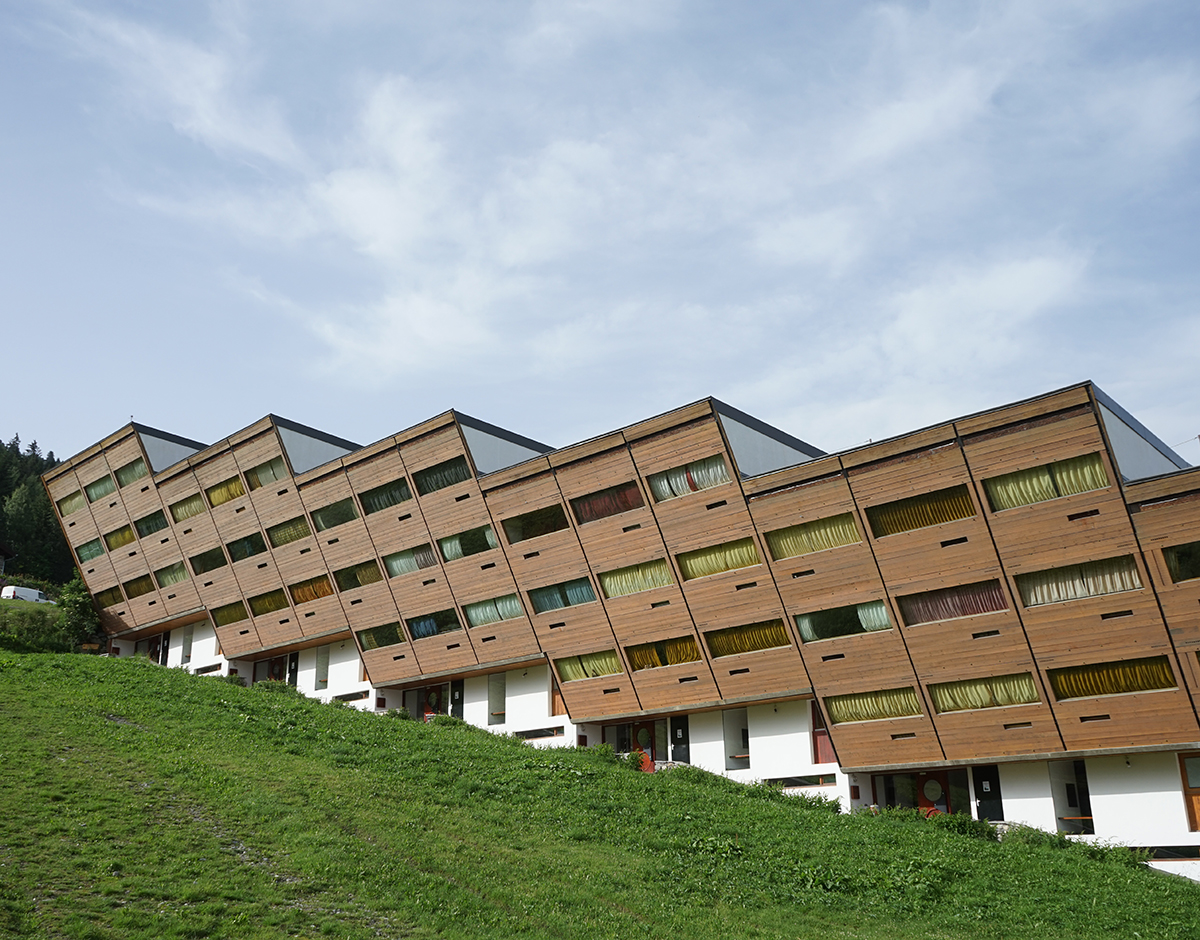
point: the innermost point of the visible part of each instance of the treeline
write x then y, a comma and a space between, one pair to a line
28, 525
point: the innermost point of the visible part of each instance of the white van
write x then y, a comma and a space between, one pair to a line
14, 593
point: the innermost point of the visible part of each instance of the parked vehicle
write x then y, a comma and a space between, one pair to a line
14, 593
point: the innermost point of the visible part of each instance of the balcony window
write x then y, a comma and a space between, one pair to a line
442, 475
132, 471
186, 508
1183, 561
148, 525
89, 550
335, 514
815, 536
272, 471
442, 621
171, 574
357, 576
119, 538
588, 666
869, 617
311, 590
471, 542
690, 478
248, 547
410, 560
495, 610
1119, 678
748, 638
682, 649
268, 603
919, 512
992, 692
556, 596
208, 561
226, 614
287, 532
224, 491
109, 597
100, 488
872, 706
728, 556
387, 635
72, 502
1073, 582
384, 497
636, 578
608, 502
138, 586
963, 600
532, 524
1050, 481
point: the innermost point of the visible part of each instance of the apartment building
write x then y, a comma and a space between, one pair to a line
999, 614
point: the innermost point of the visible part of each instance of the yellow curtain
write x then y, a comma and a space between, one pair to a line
991, 692
917, 512
747, 639
1092, 579
389, 634
311, 589
717, 558
570, 669
139, 586
121, 537
186, 508
1079, 474
814, 536
671, 652
72, 503
172, 574
224, 491
872, 706
681, 649
230, 613
291, 531
1131, 675
268, 603
603, 663
643, 657
1021, 488
636, 578
109, 597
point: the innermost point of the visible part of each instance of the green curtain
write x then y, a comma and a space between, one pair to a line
139, 586
338, 513
570, 669
359, 575
588, 665
872, 706
73, 502
172, 574
1093, 579
224, 491
690, 478
507, 607
389, 634
867, 617
1131, 675
268, 603
186, 508
311, 590
917, 512
100, 488
471, 542
229, 613
270, 472
384, 497
148, 525
556, 596
134, 470
748, 638
636, 578
1079, 474
291, 531
89, 550
1183, 561
442, 475
1049, 481
815, 536
119, 538
990, 692
728, 556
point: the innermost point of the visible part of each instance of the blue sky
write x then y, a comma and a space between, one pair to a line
848, 219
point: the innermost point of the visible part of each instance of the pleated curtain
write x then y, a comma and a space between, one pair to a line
335, 514
119, 538
815, 536
270, 472
588, 665
132, 471
636, 578
1073, 582
89, 550
291, 531
748, 638
962, 600
1133, 675
224, 491
677, 650
609, 502
186, 508
442, 475
867, 617
100, 488
268, 603
251, 545
567, 594
172, 574
495, 610
872, 706
410, 560
532, 524
311, 590
229, 613
919, 512
71, 503
139, 586
148, 525
386, 496
728, 556
1050, 481
387, 635
109, 597
471, 542
690, 478
991, 692
359, 575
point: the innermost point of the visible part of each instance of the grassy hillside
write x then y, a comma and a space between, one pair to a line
143, 802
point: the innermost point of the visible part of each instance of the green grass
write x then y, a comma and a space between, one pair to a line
143, 802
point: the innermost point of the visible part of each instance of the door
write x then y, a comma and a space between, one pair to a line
679, 740
293, 668
643, 738
933, 788
988, 803
456, 698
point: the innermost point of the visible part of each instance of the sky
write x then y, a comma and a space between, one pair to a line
850, 220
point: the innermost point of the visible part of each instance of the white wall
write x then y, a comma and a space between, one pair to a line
780, 740
707, 740
1140, 803
1025, 790
475, 702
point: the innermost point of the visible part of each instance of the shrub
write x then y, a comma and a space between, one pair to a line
965, 825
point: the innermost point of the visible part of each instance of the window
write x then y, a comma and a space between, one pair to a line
208, 561
384, 497
1073, 582
268, 603
171, 574
1189, 766
311, 590
73, 502
132, 471
1119, 678
963, 600
872, 706
822, 747
186, 508
918, 512
636, 578
682, 649
506, 607
471, 542
532, 524
359, 575
109, 597
89, 550
608, 502
1050, 481
229, 613
100, 488
497, 690
991, 692
588, 666
747, 638
322, 674
868, 617
224, 491
442, 621
1183, 561
375, 638
118, 538
567, 594
815, 536
189, 635
334, 514
442, 475
715, 559
270, 472
248, 547
690, 478
138, 586
791, 783
286, 532
410, 560
148, 525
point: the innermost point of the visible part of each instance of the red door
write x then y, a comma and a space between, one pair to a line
643, 740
